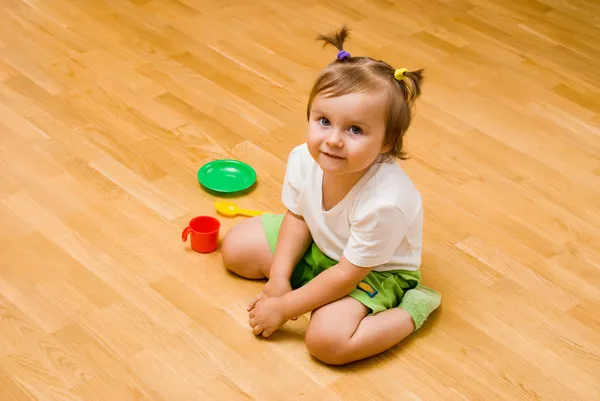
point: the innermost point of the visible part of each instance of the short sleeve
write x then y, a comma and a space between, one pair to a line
295, 176
375, 236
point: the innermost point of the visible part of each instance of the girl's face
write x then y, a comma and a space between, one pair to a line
345, 133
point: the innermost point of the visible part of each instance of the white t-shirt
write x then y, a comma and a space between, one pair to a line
379, 223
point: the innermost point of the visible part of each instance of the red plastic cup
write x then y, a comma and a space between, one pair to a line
204, 232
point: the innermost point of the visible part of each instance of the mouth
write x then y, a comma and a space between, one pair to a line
332, 156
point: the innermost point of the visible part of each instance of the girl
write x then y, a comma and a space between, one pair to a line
348, 249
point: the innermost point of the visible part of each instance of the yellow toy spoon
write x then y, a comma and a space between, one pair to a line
230, 209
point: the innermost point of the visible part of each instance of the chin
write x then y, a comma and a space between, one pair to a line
332, 170
334, 167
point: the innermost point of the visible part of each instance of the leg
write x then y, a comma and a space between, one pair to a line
245, 250
341, 332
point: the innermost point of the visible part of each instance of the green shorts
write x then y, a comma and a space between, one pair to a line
378, 291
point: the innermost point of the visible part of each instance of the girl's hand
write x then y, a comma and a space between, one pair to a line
275, 287
267, 316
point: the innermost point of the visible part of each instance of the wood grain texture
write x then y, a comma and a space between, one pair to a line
108, 108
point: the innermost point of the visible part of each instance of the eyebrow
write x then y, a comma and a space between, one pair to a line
355, 122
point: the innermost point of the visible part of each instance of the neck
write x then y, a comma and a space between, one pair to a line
346, 181
335, 188
343, 182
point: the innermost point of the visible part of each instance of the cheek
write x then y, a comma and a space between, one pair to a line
314, 138
362, 151
316, 131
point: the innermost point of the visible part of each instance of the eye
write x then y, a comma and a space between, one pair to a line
356, 130
324, 122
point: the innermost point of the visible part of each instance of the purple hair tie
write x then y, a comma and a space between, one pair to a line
342, 54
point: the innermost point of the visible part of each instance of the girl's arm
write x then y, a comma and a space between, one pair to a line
294, 239
382, 229
331, 285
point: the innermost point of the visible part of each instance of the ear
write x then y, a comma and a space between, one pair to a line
386, 149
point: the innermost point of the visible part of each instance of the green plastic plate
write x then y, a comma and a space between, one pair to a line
226, 176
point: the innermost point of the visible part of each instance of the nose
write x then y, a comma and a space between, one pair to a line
335, 139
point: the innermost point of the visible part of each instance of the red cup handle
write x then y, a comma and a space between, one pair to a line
185, 233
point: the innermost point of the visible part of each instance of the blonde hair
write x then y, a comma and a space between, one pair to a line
349, 74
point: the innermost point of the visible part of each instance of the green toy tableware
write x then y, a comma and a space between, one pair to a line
226, 176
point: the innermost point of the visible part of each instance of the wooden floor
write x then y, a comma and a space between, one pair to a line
109, 107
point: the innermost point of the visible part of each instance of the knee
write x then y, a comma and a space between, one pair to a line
240, 254
230, 252
327, 346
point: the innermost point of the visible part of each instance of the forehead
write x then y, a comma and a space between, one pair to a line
353, 106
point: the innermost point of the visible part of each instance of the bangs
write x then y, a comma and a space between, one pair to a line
348, 80
339, 80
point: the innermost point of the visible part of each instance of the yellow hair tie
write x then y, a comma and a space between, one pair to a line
399, 73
